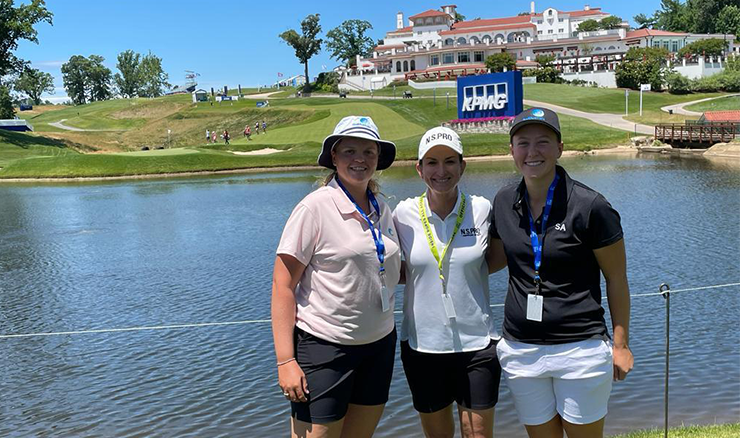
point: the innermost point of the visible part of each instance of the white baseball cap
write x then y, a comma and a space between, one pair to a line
440, 136
358, 127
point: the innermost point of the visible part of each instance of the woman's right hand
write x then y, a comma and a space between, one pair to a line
293, 382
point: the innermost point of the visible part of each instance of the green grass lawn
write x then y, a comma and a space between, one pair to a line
711, 431
295, 126
16, 146
724, 104
401, 121
111, 115
389, 92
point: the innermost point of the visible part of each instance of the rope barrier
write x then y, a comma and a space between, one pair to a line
265, 321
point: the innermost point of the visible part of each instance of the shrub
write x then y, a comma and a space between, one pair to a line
678, 83
707, 84
729, 80
498, 61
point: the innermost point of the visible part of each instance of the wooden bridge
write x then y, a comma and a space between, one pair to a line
695, 134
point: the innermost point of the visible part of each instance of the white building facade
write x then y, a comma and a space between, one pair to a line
432, 45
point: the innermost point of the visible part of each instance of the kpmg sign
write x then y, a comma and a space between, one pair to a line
490, 95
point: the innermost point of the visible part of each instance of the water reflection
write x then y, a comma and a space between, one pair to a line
190, 250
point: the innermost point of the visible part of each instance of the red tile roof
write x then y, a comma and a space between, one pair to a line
457, 31
429, 13
641, 33
389, 47
593, 11
402, 30
493, 22
722, 116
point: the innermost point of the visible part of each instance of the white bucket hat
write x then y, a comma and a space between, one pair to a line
357, 127
440, 136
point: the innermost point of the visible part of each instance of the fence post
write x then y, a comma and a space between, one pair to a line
665, 291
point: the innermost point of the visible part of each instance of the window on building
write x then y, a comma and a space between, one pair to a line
675, 46
449, 42
461, 40
413, 65
561, 30
420, 22
448, 58
405, 66
549, 31
560, 20
478, 56
430, 21
665, 44
398, 66
434, 60
539, 21
539, 32
656, 44
549, 12
463, 56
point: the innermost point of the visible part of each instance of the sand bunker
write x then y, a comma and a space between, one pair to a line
265, 151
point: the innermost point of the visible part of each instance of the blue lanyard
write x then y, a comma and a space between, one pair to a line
377, 238
536, 245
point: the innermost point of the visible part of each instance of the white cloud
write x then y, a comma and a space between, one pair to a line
55, 64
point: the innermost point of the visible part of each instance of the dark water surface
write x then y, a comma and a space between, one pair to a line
200, 250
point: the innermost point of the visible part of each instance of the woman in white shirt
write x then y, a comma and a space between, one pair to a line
448, 339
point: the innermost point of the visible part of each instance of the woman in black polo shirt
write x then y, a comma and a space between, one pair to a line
557, 236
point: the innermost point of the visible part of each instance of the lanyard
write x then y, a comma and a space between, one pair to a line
536, 244
377, 238
430, 236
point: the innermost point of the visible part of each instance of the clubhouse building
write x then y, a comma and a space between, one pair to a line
432, 46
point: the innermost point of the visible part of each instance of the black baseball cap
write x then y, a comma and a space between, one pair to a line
542, 116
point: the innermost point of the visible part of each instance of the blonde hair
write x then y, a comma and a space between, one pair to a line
372, 184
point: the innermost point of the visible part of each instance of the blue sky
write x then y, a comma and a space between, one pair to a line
233, 42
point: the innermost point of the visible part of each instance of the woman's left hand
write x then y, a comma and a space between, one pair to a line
623, 361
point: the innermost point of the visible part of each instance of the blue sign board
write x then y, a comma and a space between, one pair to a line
490, 95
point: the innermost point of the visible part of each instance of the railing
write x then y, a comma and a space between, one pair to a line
682, 133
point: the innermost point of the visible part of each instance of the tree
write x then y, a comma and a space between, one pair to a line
17, 24
152, 76
33, 83
74, 76
6, 104
498, 61
348, 40
644, 22
705, 14
128, 81
728, 21
708, 47
307, 44
98, 79
610, 22
642, 65
86, 79
546, 72
459, 17
588, 26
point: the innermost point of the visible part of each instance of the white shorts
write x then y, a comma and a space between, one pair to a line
573, 379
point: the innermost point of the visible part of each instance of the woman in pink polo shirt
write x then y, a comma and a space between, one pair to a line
337, 265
